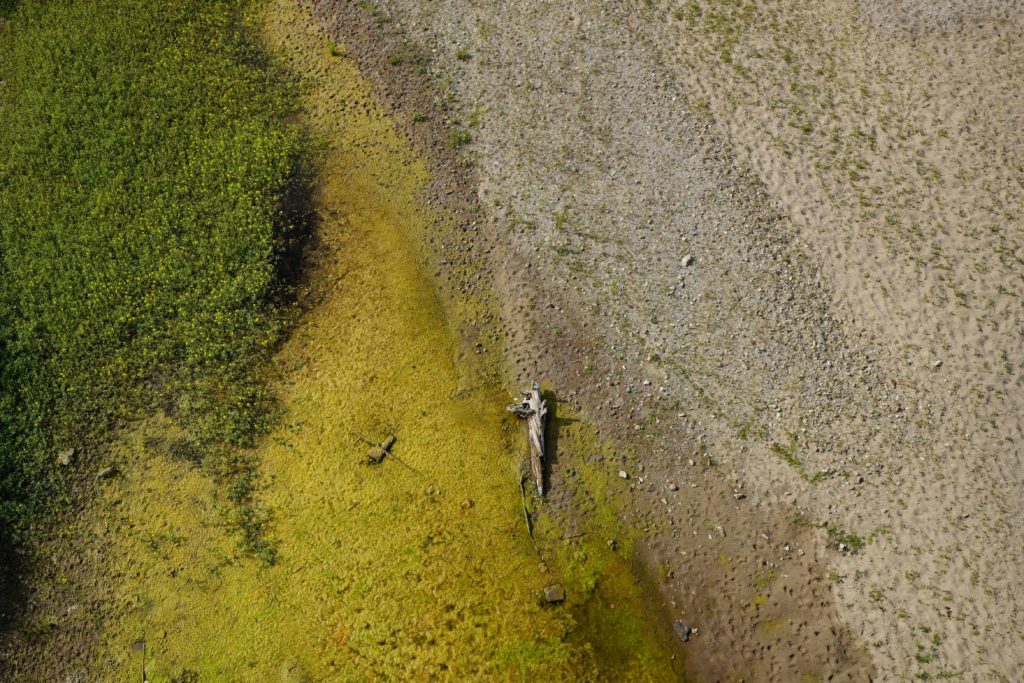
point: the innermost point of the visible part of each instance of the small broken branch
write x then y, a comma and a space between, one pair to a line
534, 411
378, 452
526, 514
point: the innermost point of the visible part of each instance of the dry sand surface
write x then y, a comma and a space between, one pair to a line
774, 251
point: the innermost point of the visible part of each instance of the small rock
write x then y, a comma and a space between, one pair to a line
107, 472
612, 544
688, 260
467, 504
673, 486
692, 463
682, 630
937, 364
623, 475
554, 594
65, 457
720, 531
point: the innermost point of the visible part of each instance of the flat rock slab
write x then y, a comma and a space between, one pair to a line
554, 594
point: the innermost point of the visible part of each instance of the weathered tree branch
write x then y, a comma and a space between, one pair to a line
534, 411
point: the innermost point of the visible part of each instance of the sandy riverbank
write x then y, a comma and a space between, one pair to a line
783, 240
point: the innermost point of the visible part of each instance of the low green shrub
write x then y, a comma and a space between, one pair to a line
147, 184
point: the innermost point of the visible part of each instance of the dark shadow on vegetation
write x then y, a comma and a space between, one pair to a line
13, 596
299, 233
553, 428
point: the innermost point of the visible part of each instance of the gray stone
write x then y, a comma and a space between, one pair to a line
682, 630
66, 456
107, 472
554, 594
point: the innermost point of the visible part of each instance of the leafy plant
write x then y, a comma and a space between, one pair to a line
147, 220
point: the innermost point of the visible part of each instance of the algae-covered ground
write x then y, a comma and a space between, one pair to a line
408, 570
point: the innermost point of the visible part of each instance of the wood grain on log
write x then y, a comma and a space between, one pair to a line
534, 411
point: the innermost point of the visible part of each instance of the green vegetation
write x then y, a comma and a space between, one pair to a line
374, 11
408, 54
788, 453
837, 536
145, 230
459, 137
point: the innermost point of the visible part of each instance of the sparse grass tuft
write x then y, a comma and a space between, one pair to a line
851, 541
459, 137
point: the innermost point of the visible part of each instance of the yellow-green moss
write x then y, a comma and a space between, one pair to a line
382, 572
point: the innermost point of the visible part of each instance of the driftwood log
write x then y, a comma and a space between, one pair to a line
534, 411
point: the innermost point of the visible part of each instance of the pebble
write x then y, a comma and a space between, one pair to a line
623, 475
673, 486
467, 504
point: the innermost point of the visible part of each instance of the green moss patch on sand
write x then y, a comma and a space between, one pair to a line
382, 571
